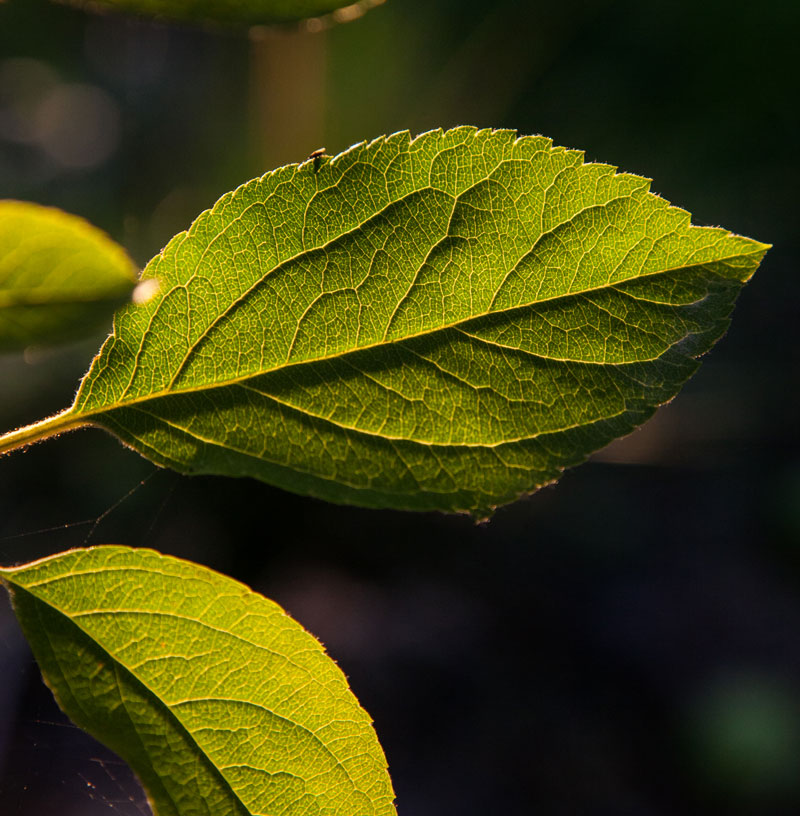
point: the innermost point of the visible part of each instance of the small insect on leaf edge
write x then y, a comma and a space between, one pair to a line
317, 156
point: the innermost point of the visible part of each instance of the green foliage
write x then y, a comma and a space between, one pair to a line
438, 323
444, 323
228, 12
220, 702
60, 277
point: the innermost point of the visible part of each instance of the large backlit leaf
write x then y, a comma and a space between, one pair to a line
233, 12
443, 323
60, 277
219, 701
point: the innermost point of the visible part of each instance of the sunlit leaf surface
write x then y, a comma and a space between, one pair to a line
60, 277
444, 323
220, 702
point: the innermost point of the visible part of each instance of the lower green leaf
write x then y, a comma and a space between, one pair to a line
220, 702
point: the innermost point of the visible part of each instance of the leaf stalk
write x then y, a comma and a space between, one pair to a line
38, 431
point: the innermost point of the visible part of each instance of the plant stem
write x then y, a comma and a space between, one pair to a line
43, 429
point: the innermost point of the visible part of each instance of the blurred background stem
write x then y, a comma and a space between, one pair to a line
287, 94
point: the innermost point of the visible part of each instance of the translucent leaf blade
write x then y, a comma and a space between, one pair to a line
439, 323
60, 277
218, 700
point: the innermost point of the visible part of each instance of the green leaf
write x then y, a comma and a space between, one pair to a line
219, 701
444, 323
60, 277
235, 12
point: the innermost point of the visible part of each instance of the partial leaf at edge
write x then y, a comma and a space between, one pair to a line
60, 277
220, 702
232, 12
439, 323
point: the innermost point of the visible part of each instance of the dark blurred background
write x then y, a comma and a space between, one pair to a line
626, 642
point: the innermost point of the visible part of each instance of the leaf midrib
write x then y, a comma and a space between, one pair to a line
170, 391
374, 434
